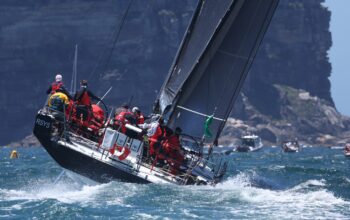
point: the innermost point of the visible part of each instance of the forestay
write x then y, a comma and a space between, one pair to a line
212, 63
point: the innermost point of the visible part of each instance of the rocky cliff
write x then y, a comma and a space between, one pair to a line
134, 54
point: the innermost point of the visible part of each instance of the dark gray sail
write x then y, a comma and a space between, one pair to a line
213, 62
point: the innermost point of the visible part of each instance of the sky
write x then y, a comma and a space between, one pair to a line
340, 54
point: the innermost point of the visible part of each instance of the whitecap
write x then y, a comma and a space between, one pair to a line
310, 183
277, 167
144, 216
337, 147
188, 213
304, 200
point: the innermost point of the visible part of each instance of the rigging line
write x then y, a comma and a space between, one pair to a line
199, 113
115, 37
105, 95
74, 71
118, 34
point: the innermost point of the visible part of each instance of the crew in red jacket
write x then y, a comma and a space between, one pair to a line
172, 150
140, 118
58, 85
155, 133
83, 101
123, 118
84, 96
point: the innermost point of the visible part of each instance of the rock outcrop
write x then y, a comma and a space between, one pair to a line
313, 121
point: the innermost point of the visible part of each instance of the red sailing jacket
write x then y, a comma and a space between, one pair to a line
159, 133
172, 144
140, 119
55, 86
85, 99
126, 117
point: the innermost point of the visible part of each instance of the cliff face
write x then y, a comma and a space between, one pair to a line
294, 53
39, 42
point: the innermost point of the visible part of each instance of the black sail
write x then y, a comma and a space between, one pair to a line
212, 63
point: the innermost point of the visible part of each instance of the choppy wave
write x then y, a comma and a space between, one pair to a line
262, 185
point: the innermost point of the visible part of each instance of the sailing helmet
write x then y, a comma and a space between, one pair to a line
58, 78
135, 110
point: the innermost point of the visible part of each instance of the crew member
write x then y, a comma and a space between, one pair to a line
84, 96
58, 84
140, 118
172, 150
122, 117
155, 132
83, 100
59, 100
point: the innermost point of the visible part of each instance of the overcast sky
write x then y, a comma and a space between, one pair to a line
340, 53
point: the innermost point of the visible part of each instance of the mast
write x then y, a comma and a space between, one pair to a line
73, 85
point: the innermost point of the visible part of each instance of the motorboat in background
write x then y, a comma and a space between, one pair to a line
347, 150
249, 142
291, 146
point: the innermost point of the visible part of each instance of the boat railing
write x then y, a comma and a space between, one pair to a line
67, 127
73, 131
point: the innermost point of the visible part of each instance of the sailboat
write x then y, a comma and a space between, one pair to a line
198, 94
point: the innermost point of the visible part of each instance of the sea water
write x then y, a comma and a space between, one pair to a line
268, 184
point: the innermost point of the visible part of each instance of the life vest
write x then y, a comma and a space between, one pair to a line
155, 142
55, 86
125, 117
159, 133
97, 118
98, 113
173, 155
85, 99
140, 119
172, 144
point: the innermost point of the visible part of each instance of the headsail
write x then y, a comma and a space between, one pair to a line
213, 62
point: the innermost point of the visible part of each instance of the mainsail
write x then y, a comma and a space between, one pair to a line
212, 63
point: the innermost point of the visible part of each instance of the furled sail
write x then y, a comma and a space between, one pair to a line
212, 63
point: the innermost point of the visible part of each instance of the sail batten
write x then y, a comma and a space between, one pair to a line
213, 62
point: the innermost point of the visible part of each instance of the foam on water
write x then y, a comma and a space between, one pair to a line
337, 147
312, 192
305, 199
62, 192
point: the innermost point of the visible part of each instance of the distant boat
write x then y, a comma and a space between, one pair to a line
347, 150
291, 146
249, 142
